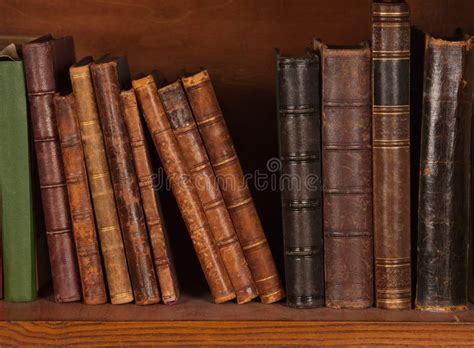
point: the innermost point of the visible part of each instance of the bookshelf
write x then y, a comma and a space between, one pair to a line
235, 41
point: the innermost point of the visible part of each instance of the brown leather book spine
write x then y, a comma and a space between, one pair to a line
46, 63
185, 129
391, 153
101, 189
156, 228
124, 180
184, 190
347, 174
87, 248
237, 196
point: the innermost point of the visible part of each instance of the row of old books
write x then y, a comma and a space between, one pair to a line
105, 232
347, 177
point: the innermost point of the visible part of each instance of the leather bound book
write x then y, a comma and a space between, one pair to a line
46, 65
108, 225
185, 129
444, 176
184, 190
17, 224
299, 116
124, 180
391, 153
83, 224
347, 173
156, 228
237, 197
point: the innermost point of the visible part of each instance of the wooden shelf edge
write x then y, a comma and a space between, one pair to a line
233, 333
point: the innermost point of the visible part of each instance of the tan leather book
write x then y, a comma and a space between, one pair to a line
82, 215
105, 77
186, 132
151, 205
237, 196
184, 190
100, 183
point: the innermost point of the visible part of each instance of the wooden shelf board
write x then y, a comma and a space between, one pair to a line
203, 309
234, 333
198, 321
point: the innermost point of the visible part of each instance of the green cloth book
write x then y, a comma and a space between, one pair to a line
16, 195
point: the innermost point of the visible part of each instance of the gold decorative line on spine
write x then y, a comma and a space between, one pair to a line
109, 228
392, 141
245, 201
393, 258
395, 51
221, 163
75, 76
398, 300
270, 294
253, 245
390, 25
210, 120
267, 278
391, 113
391, 147
98, 176
88, 123
394, 291
200, 167
391, 14
394, 266
399, 58
375, 106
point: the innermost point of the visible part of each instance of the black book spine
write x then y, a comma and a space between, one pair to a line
444, 176
300, 181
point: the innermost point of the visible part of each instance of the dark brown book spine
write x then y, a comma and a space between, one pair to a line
124, 180
299, 117
83, 224
391, 153
184, 190
156, 228
347, 176
46, 65
443, 222
185, 129
108, 225
237, 196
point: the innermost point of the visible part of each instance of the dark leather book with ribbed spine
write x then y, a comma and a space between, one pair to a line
105, 77
47, 61
183, 189
237, 196
391, 153
299, 117
185, 129
108, 225
444, 175
347, 175
82, 215
164, 265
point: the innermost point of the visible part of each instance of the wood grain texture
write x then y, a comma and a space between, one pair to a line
233, 333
